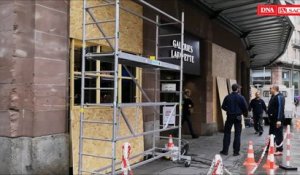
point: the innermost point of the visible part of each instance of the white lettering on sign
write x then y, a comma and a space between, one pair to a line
267, 10
187, 57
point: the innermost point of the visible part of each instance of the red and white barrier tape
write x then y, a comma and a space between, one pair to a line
281, 144
126, 150
262, 155
217, 166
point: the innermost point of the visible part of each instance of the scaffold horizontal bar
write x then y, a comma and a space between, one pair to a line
167, 35
162, 47
100, 104
96, 156
101, 5
146, 133
101, 22
147, 104
91, 88
99, 54
96, 121
97, 139
101, 38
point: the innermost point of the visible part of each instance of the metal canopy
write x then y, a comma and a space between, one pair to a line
265, 37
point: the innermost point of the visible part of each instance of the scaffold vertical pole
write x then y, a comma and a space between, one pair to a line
156, 79
115, 99
181, 84
82, 88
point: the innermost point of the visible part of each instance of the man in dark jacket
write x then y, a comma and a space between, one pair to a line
188, 105
258, 106
235, 106
276, 117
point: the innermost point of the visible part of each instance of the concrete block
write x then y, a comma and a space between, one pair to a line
40, 155
21, 151
51, 21
60, 5
5, 153
50, 154
49, 122
50, 72
50, 46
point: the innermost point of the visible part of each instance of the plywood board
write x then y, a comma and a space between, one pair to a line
131, 27
104, 131
223, 92
230, 82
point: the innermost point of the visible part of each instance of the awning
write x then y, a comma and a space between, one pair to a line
265, 38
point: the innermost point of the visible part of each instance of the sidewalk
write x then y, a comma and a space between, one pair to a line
204, 149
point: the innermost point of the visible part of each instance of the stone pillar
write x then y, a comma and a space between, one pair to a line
208, 125
276, 75
33, 80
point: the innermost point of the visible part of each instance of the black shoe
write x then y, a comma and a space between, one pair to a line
260, 133
223, 153
195, 136
236, 154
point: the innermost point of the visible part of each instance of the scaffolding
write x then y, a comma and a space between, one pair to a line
118, 57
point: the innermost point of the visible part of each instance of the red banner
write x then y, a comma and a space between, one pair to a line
278, 10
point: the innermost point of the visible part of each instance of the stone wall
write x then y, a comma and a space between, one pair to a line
33, 80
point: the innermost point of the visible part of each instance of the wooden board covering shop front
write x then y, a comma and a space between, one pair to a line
223, 92
104, 131
131, 27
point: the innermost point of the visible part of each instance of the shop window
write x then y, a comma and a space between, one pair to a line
128, 93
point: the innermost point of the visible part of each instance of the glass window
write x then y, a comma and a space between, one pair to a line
261, 77
286, 78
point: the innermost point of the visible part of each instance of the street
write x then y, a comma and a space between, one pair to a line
204, 149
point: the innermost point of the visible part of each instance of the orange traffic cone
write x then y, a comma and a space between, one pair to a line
170, 143
270, 164
250, 157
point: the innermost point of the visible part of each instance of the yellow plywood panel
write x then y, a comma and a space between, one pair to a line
104, 131
131, 27
223, 92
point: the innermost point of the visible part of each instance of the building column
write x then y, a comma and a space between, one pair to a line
276, 75
208, 125
34, 83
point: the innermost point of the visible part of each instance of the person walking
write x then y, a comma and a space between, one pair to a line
258, 106
276, 117
235, 106
188, 106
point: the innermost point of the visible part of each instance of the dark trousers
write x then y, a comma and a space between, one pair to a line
186, 117
237, 122
278, 132
258, 119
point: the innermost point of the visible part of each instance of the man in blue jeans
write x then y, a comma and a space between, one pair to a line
235, 106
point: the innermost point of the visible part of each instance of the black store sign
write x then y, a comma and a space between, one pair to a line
191, 50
